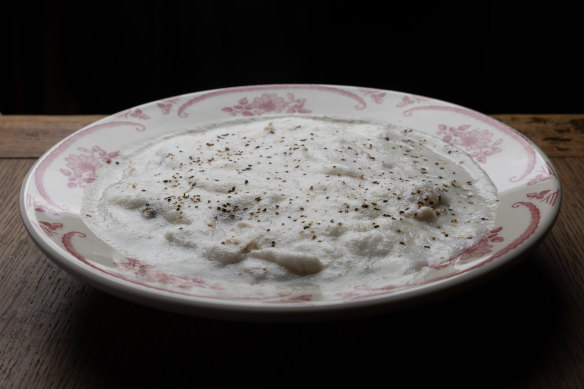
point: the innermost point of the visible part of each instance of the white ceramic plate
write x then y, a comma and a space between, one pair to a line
528, 186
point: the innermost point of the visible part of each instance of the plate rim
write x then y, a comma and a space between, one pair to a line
230, 309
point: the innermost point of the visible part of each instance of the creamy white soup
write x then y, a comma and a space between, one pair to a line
293, 202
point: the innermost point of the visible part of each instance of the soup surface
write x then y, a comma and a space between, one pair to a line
293, 202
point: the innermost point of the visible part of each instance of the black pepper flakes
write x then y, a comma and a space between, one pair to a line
148, 212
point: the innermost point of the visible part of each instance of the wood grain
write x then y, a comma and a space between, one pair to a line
37, 132
523, 328
557, 135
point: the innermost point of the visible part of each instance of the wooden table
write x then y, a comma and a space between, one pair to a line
523, 328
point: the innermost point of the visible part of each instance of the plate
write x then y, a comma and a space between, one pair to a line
527, 182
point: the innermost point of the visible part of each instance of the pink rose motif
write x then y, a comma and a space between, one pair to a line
476, 142
269, 102
297, 105
474, 139
266, 103
83, 167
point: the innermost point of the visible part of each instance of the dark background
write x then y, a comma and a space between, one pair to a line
75, 57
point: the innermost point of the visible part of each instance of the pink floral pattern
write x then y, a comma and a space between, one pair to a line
138, 273
150, 273
361, 104
31, 202
478, 250
375, 95
483, 247
167, 105
478, 143
544, 174
82, 167
545, 196
50, 229
79, 165
136, 113
409, 100
267, 103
